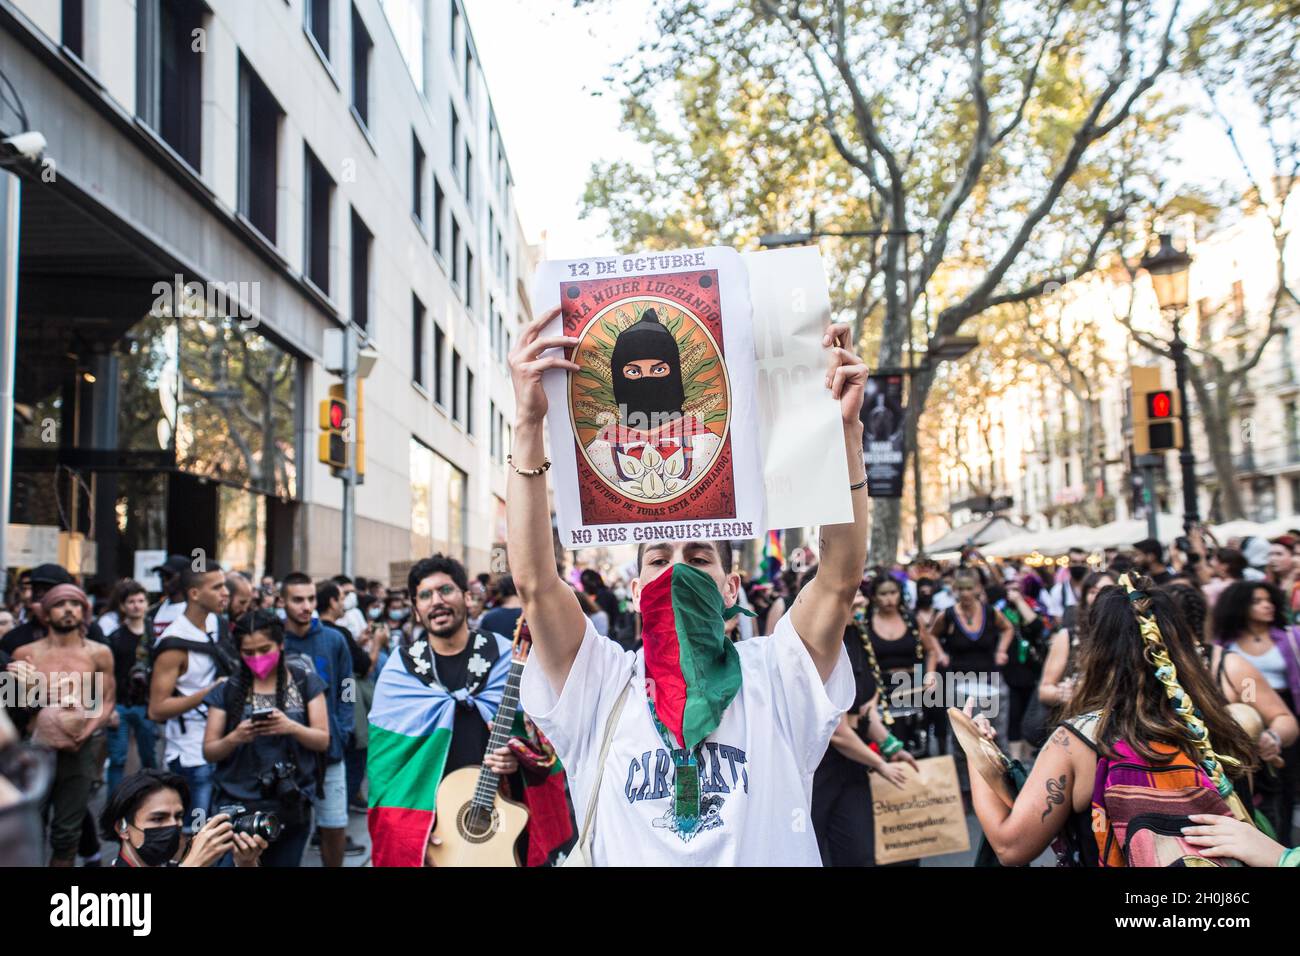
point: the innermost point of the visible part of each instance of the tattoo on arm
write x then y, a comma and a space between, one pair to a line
1061, 738
1055, 794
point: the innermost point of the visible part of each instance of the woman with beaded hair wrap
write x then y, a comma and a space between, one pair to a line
895, 646
1140, 683
1059, 669
842, 814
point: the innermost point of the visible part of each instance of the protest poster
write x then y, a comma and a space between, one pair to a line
883, 435
656, 438
922, 818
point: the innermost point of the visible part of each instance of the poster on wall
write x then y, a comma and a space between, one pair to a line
883, 436
656, 438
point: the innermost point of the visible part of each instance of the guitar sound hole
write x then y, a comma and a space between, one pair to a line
476, 824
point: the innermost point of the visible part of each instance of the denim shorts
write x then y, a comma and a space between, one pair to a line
332, 809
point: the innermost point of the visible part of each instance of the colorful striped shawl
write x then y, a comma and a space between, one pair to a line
410, 736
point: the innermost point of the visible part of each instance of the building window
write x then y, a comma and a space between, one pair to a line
469, 401
469, 178
492, 431
417, 178
320, 195
437, 215
417, 340
469, 279
469, 75
455, 138
361, 47
1292, 429
259, 134
73, 26
361, 241
406, 18
455, 385
439, 362
455, 26
455, 250
438, 503
169, 74
318, 24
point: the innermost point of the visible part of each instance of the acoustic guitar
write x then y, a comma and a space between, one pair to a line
478, 826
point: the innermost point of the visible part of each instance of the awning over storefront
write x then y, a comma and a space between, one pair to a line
976, 534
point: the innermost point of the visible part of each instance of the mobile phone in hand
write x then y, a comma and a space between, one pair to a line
261, 713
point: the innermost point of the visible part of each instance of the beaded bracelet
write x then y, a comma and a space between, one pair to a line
528, 472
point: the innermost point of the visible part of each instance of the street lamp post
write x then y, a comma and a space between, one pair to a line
1168, 268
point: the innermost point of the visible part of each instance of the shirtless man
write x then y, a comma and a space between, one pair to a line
77, 674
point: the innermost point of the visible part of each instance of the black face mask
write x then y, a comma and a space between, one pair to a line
648, 402
1078, 572
160, 845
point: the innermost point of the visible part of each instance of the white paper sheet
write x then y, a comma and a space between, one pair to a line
805, 471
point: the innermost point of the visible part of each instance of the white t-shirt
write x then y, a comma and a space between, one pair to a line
200, 672
757, 767
169, 611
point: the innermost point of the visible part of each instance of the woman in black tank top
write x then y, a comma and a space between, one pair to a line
972, 635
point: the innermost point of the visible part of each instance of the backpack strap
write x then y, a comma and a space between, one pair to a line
1084, 726
300, 668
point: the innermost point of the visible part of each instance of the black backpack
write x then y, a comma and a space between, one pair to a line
224, 658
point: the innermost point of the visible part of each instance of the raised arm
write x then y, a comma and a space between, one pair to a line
554, 616
822, 609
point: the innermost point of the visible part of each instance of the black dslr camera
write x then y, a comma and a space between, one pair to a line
254, 823
280, 784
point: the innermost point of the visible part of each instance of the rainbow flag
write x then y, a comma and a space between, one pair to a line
773, 556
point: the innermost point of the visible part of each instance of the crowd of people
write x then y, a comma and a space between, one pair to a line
228, 696
685, 713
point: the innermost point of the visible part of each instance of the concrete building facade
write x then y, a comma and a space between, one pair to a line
226, 182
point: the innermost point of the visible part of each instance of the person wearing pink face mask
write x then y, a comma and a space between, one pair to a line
267, 732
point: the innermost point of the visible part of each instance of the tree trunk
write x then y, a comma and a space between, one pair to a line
1091, 506
1215, 422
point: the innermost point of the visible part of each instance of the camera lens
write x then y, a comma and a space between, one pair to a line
267, 826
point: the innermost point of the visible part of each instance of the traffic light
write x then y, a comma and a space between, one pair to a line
334, 428
1156, 410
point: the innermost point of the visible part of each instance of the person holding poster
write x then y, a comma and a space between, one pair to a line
694, 750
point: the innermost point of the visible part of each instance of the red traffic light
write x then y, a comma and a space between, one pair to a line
337, 414
1160, 404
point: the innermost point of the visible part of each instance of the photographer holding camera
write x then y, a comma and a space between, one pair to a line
267, 730
145, 812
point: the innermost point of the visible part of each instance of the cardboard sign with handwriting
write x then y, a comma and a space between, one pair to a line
924, 817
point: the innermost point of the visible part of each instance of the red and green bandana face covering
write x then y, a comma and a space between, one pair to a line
692, 671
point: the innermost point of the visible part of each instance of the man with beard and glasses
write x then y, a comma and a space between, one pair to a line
695, 750
76, 677
646, 367
432, 715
